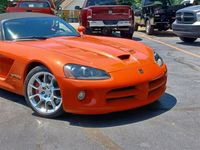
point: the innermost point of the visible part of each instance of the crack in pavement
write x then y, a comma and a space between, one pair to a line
169, 45
192, 66
98, 136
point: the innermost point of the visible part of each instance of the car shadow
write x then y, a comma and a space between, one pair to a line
165, 103
195, 44
168, 33
12, 97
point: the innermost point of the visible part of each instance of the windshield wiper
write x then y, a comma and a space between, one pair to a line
31, 38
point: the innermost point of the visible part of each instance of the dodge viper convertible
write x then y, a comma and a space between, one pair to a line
59, 70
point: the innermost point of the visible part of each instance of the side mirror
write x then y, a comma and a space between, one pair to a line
60, 8
77, 8
81, 29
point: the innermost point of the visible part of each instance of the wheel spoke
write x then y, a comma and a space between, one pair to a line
52, 79
38, 80
32, 86
39, 103
44, 79
53, 104
56, 89
32, 96
45, 106
56, 97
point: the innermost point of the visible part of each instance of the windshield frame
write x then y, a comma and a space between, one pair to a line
3, 36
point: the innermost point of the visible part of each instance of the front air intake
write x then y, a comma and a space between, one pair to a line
124, 57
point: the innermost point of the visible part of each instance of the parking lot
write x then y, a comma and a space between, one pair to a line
169, 124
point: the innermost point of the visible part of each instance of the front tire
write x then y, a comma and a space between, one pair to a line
42, 93
188, 40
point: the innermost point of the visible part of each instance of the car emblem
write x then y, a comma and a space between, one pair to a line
141, 71
182, 16
110, 12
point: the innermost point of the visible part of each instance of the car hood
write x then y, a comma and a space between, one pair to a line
110, 54
194, 9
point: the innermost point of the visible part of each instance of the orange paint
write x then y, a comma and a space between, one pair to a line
136, 80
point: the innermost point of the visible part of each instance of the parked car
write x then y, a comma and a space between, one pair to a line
58, 69
106, 16
40, 6
187, 24
156, 14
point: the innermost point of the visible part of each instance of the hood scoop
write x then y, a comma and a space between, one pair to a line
124, 57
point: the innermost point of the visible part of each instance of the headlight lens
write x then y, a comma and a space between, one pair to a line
80, 72
158, 59
198, 16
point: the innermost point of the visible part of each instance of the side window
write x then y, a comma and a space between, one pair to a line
148, 2
60, 27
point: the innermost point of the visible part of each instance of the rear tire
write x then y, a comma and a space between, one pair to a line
188, 40
127, 34
136, 27
149, 28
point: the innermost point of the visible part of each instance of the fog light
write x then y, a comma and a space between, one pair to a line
81, 95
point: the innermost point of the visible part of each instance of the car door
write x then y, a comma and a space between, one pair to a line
6, 61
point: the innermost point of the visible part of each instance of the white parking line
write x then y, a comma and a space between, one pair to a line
169, 45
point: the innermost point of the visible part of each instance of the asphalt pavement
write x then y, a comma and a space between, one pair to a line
172, 123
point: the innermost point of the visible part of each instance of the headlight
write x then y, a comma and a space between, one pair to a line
198, 16
158, 59
80, 72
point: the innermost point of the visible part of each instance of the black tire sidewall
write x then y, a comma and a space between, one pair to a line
127, 34
188, 40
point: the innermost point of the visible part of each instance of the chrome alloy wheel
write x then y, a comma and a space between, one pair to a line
44, 93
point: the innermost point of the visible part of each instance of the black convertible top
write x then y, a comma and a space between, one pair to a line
19, 15
10, 16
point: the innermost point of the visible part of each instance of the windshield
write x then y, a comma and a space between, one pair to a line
34, 4
161, 2
102, 2
37, 27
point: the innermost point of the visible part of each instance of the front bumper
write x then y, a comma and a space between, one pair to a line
113, 23
187, 30
116, 94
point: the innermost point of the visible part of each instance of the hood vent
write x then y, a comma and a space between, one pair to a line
124, 57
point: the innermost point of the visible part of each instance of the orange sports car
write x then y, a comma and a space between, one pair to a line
58, 69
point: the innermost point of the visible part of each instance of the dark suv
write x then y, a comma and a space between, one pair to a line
156, 14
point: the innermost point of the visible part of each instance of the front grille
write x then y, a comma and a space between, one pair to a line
120, 98
185, 17
141, 91
157, 86
157, 83
178, 17
125, 93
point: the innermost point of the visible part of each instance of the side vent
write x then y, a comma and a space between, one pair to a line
124, 57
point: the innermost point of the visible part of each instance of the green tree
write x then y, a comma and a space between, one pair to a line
134, 3
3, 4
